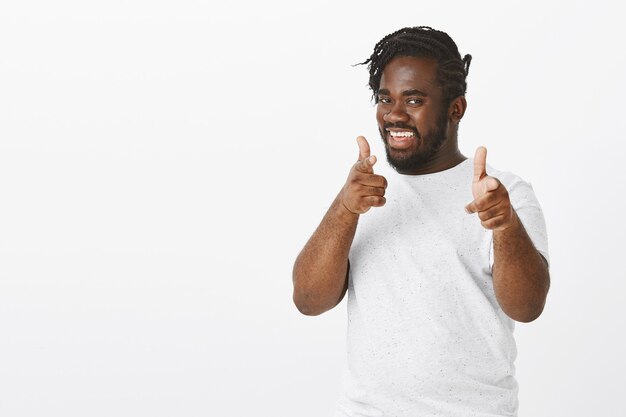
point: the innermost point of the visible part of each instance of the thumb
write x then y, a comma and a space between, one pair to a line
490, 184
480, 163
366, 165
364, 148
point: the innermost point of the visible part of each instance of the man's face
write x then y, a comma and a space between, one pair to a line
411, 117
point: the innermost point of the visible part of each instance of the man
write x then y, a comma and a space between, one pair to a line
434, 283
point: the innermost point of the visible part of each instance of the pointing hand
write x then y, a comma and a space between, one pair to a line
491, 199
363, 189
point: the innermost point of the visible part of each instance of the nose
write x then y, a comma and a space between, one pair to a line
396, 114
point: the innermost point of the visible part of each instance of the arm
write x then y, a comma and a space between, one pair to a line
320, 273
520, 274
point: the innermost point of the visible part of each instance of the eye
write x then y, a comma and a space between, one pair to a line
415, 101
384, 100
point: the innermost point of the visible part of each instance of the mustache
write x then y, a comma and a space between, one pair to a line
401, 126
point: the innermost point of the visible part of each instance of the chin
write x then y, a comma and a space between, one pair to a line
406, 160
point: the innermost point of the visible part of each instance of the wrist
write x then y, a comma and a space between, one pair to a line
512, 226
343, 211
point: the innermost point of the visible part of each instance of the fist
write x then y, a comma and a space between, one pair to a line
363, 189
491, 199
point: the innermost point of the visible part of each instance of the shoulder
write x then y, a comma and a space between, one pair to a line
527, 207
517, 187
507, 178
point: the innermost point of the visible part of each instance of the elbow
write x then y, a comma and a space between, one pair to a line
534, 309
525, 304
308, 300
528, 312
306, 308
526, 317
303, 297
306, 304
314, 294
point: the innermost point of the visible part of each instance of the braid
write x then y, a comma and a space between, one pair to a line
422, 41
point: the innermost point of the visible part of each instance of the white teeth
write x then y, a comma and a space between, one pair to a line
400, 134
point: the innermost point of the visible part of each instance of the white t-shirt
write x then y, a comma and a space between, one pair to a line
426, 335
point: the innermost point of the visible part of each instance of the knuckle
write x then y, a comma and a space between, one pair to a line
358, 167
378, 181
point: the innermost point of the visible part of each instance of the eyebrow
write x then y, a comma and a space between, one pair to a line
413, 92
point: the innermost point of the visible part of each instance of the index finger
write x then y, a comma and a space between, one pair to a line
372, 180
480, 163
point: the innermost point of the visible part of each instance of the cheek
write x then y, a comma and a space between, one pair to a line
423, 119
417, 119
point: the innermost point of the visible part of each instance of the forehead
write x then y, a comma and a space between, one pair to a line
408, 72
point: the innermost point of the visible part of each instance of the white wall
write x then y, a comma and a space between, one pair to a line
162, 164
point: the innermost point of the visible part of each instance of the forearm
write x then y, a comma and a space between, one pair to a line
320, 271
520, 274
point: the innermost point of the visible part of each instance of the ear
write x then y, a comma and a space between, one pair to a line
457, 109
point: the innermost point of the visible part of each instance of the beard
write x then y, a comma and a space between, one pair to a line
427, 145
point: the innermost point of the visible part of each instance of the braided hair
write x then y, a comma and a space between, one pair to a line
422, 41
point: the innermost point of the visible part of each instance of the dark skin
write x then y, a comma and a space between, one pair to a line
411, 97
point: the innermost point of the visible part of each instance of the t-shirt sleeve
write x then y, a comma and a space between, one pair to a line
528, 210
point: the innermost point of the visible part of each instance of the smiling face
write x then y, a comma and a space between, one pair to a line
415, 124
